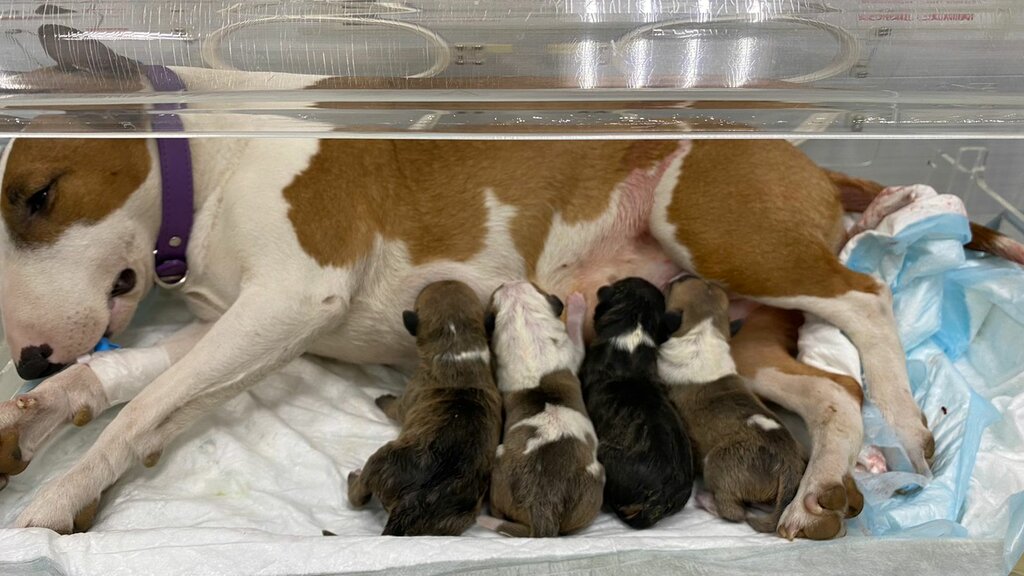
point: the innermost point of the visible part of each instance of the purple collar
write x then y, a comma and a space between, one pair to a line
176, 184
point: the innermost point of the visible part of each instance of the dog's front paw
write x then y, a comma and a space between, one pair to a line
30, 419
60, 514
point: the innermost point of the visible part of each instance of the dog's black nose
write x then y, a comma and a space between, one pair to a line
35, 362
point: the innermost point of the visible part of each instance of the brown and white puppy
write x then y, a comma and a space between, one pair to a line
432, 479
748, 458
765, 351
547, 480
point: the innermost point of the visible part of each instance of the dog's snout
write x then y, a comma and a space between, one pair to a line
35, 362
124, 284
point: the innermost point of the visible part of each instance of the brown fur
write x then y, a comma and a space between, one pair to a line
433, 478
742, 464
549, 491
354, 190
770, 186
88, 180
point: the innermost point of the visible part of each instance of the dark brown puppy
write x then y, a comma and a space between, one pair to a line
547, 480
433, 478
748, 458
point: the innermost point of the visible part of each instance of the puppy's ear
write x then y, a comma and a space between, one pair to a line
604, 293
489, 324
556, 304
411, 321
672, 320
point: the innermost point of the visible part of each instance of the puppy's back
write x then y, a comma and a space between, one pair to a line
644, 448
438, 468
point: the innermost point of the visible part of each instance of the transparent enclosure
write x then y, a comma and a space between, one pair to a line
519, 68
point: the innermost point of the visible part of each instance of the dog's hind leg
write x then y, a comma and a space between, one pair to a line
761, 218
263, 330
81, 393
830, 406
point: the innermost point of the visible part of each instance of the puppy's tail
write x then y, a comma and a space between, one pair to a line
857, 194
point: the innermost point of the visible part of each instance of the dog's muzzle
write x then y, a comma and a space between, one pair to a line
35, 363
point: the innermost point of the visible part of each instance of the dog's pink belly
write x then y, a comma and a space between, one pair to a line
640, 257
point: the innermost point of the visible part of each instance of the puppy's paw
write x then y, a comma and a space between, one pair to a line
871, 460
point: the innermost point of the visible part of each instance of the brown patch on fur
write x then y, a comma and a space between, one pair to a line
780, 227
698, 300
769, 339
354, 190
88, 179
549, 491
433, 478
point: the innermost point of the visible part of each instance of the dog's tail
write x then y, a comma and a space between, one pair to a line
857, 194
545, 522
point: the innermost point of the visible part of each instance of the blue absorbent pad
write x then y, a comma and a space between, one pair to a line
961, 319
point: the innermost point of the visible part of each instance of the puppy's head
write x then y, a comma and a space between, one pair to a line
528, 335
698, 301
448, 316
631, 304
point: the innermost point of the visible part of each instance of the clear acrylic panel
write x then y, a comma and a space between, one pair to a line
519, 68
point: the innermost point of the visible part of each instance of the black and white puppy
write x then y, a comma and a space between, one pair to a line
642, 441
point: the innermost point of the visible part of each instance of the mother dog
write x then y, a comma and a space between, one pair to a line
316, 246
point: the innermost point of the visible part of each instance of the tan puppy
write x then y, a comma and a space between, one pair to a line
433, 478
748, 457
547, 480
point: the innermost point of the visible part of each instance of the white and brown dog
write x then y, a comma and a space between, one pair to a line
316, 246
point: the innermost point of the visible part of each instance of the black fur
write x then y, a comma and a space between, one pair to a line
641, 439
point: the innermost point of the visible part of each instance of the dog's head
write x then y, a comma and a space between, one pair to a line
633, 304
79, 218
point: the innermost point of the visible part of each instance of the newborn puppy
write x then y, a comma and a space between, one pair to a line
748, 457
643, 444
547, 480
433, 478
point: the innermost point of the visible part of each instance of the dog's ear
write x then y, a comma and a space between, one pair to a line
556, 305
411, 321
489, 320
672, 320
604, 293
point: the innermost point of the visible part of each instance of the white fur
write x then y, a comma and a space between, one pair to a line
478, 355
868, 320
529, 341
630, 341
555, 423
763, 422
661, 227
697, 357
